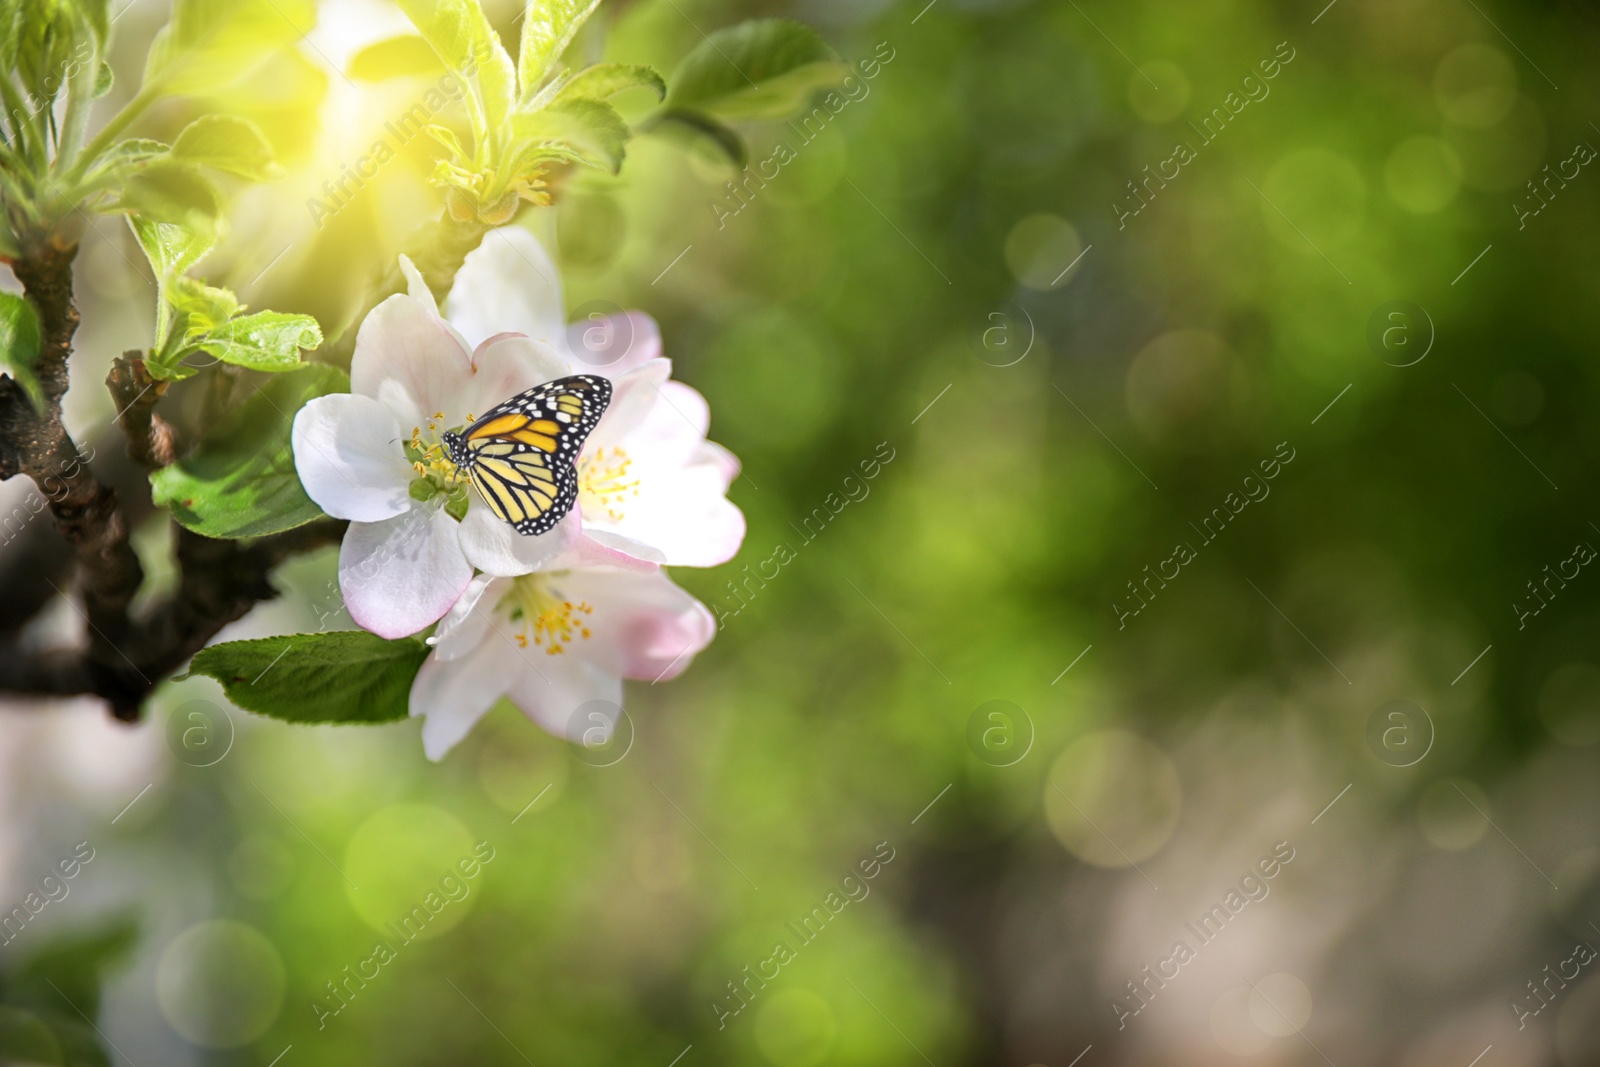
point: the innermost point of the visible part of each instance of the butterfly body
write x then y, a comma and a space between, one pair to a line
521, 456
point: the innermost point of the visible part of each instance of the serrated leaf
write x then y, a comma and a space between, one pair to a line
240, 481
210, 44
20, 338
226, 142
463, 39
204, 307
406, 56
548, 27
605, 80
266, 341
170, 247
590, 130
763, 69
346, 676
696, 124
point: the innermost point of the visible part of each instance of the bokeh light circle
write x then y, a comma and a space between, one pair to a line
399, 860
1423, 174
1040, 248
1112, 798
1569, 704
220, 984
1453, 814
1280, 1004
1322, 192
1231, 1026
795, 1028
1475, 85
1163, 101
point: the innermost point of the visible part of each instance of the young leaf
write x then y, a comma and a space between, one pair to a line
204, 307
695, 123
345, 676
605, 80
268, 341
763, 69
460, 33
210, 44
590, 130
19, 343
241, 481
548, 26
171, 248
398, 57
166, 190
225, 142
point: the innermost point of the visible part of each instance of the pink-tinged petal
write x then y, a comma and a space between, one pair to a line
724, 462
569, 697
509, 283
643, 625
612, 345
505, 365
411, 361
404, 573
633, 396
599, 548
466, 625
452, 695
683, 515
664, 435
348, 453
494, 547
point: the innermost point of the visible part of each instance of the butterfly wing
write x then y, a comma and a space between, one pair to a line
524, 450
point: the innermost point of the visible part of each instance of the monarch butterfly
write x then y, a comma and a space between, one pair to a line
520, 455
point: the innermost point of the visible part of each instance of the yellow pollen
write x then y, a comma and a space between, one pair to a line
604, 483
553, 622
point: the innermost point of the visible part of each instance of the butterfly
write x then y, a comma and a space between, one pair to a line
521, 455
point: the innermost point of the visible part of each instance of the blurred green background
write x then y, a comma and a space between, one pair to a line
950, 273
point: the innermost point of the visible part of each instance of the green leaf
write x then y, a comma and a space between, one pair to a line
398, 57
204, 307
461, 35
210, 44
591, 131
346, 676
605, 80
548, 27
267, 341
225, 142
240, 481
19, 344
104, 79
167, 190
695, 123
763, 69
171, 248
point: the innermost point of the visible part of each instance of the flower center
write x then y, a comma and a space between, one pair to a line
603, 482
437, 476
538, 606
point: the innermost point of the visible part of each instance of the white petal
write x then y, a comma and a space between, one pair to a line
569, 697
612, 345
494, 547
683, 516
404, 573
642, 626
633, 397
416, 288
452, 695
410, 360
505, 365
508, 284
349, 455
466, 625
